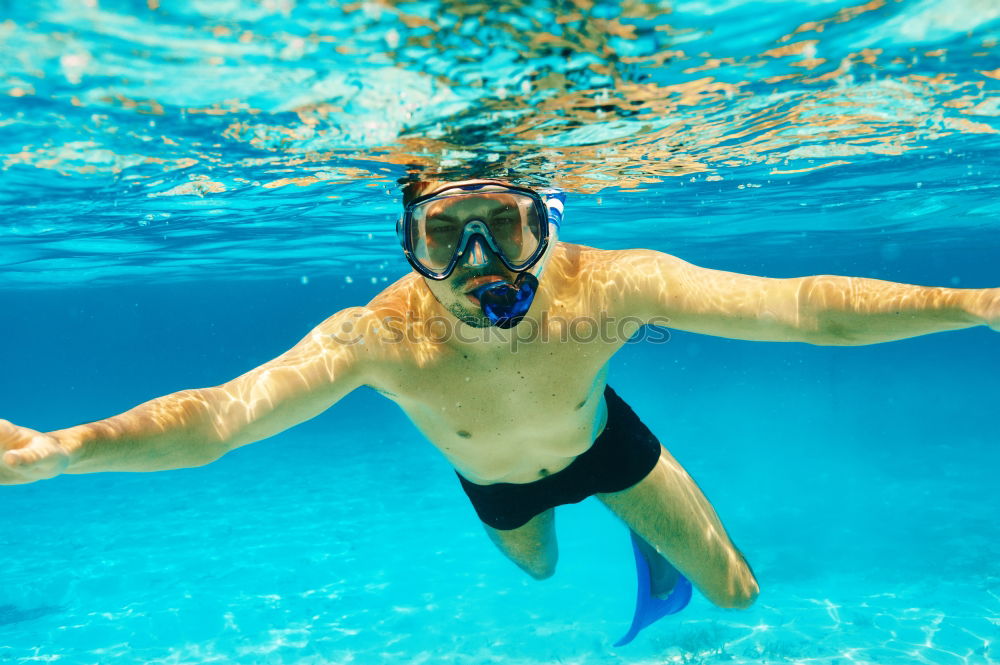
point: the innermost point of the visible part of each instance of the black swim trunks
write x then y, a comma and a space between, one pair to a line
624, 453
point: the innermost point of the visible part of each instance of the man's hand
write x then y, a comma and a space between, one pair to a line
993, 311
27, 455
984, 304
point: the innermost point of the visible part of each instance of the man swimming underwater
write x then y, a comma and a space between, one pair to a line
526, 428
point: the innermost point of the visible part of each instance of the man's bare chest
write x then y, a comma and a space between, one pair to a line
517, 375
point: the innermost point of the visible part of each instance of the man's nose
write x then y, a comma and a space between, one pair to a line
475, 253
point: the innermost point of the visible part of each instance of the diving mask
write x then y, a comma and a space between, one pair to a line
437, 230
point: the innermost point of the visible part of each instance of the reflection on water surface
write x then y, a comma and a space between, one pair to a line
179, 137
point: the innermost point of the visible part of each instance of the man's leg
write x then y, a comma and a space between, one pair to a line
532, 547
669, 512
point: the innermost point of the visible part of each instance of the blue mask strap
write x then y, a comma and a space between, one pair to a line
555, 202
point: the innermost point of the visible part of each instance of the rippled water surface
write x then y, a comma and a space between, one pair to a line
188, 187
183, 140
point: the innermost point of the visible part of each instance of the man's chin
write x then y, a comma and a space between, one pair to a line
472, 318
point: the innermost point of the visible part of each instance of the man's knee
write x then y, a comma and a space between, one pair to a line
741, 590
540, 565
741, 598
542, 570
531, 546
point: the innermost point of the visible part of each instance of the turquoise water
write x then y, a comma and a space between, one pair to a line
189, 188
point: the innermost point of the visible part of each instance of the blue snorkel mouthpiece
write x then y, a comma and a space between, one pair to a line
505, 304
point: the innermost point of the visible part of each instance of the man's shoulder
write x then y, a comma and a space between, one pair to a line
572, 255
405, 299
595, 260
406, 294
397, 297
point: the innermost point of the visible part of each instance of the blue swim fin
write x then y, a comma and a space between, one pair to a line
649, 608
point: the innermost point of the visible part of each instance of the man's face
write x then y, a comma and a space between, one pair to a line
478, 265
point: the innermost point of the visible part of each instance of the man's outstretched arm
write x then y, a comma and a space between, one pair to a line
194, 427
821, 309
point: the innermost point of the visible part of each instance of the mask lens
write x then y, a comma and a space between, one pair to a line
434, 234
513, 220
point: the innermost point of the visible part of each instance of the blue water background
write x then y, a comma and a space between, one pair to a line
860, 482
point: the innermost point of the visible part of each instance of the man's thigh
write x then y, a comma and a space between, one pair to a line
532, 547
670, 512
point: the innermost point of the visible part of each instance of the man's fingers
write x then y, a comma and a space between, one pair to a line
12, 436
27, 455
6, 429
12, 458
21, 458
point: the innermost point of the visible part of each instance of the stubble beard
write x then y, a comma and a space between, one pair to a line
468, 318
